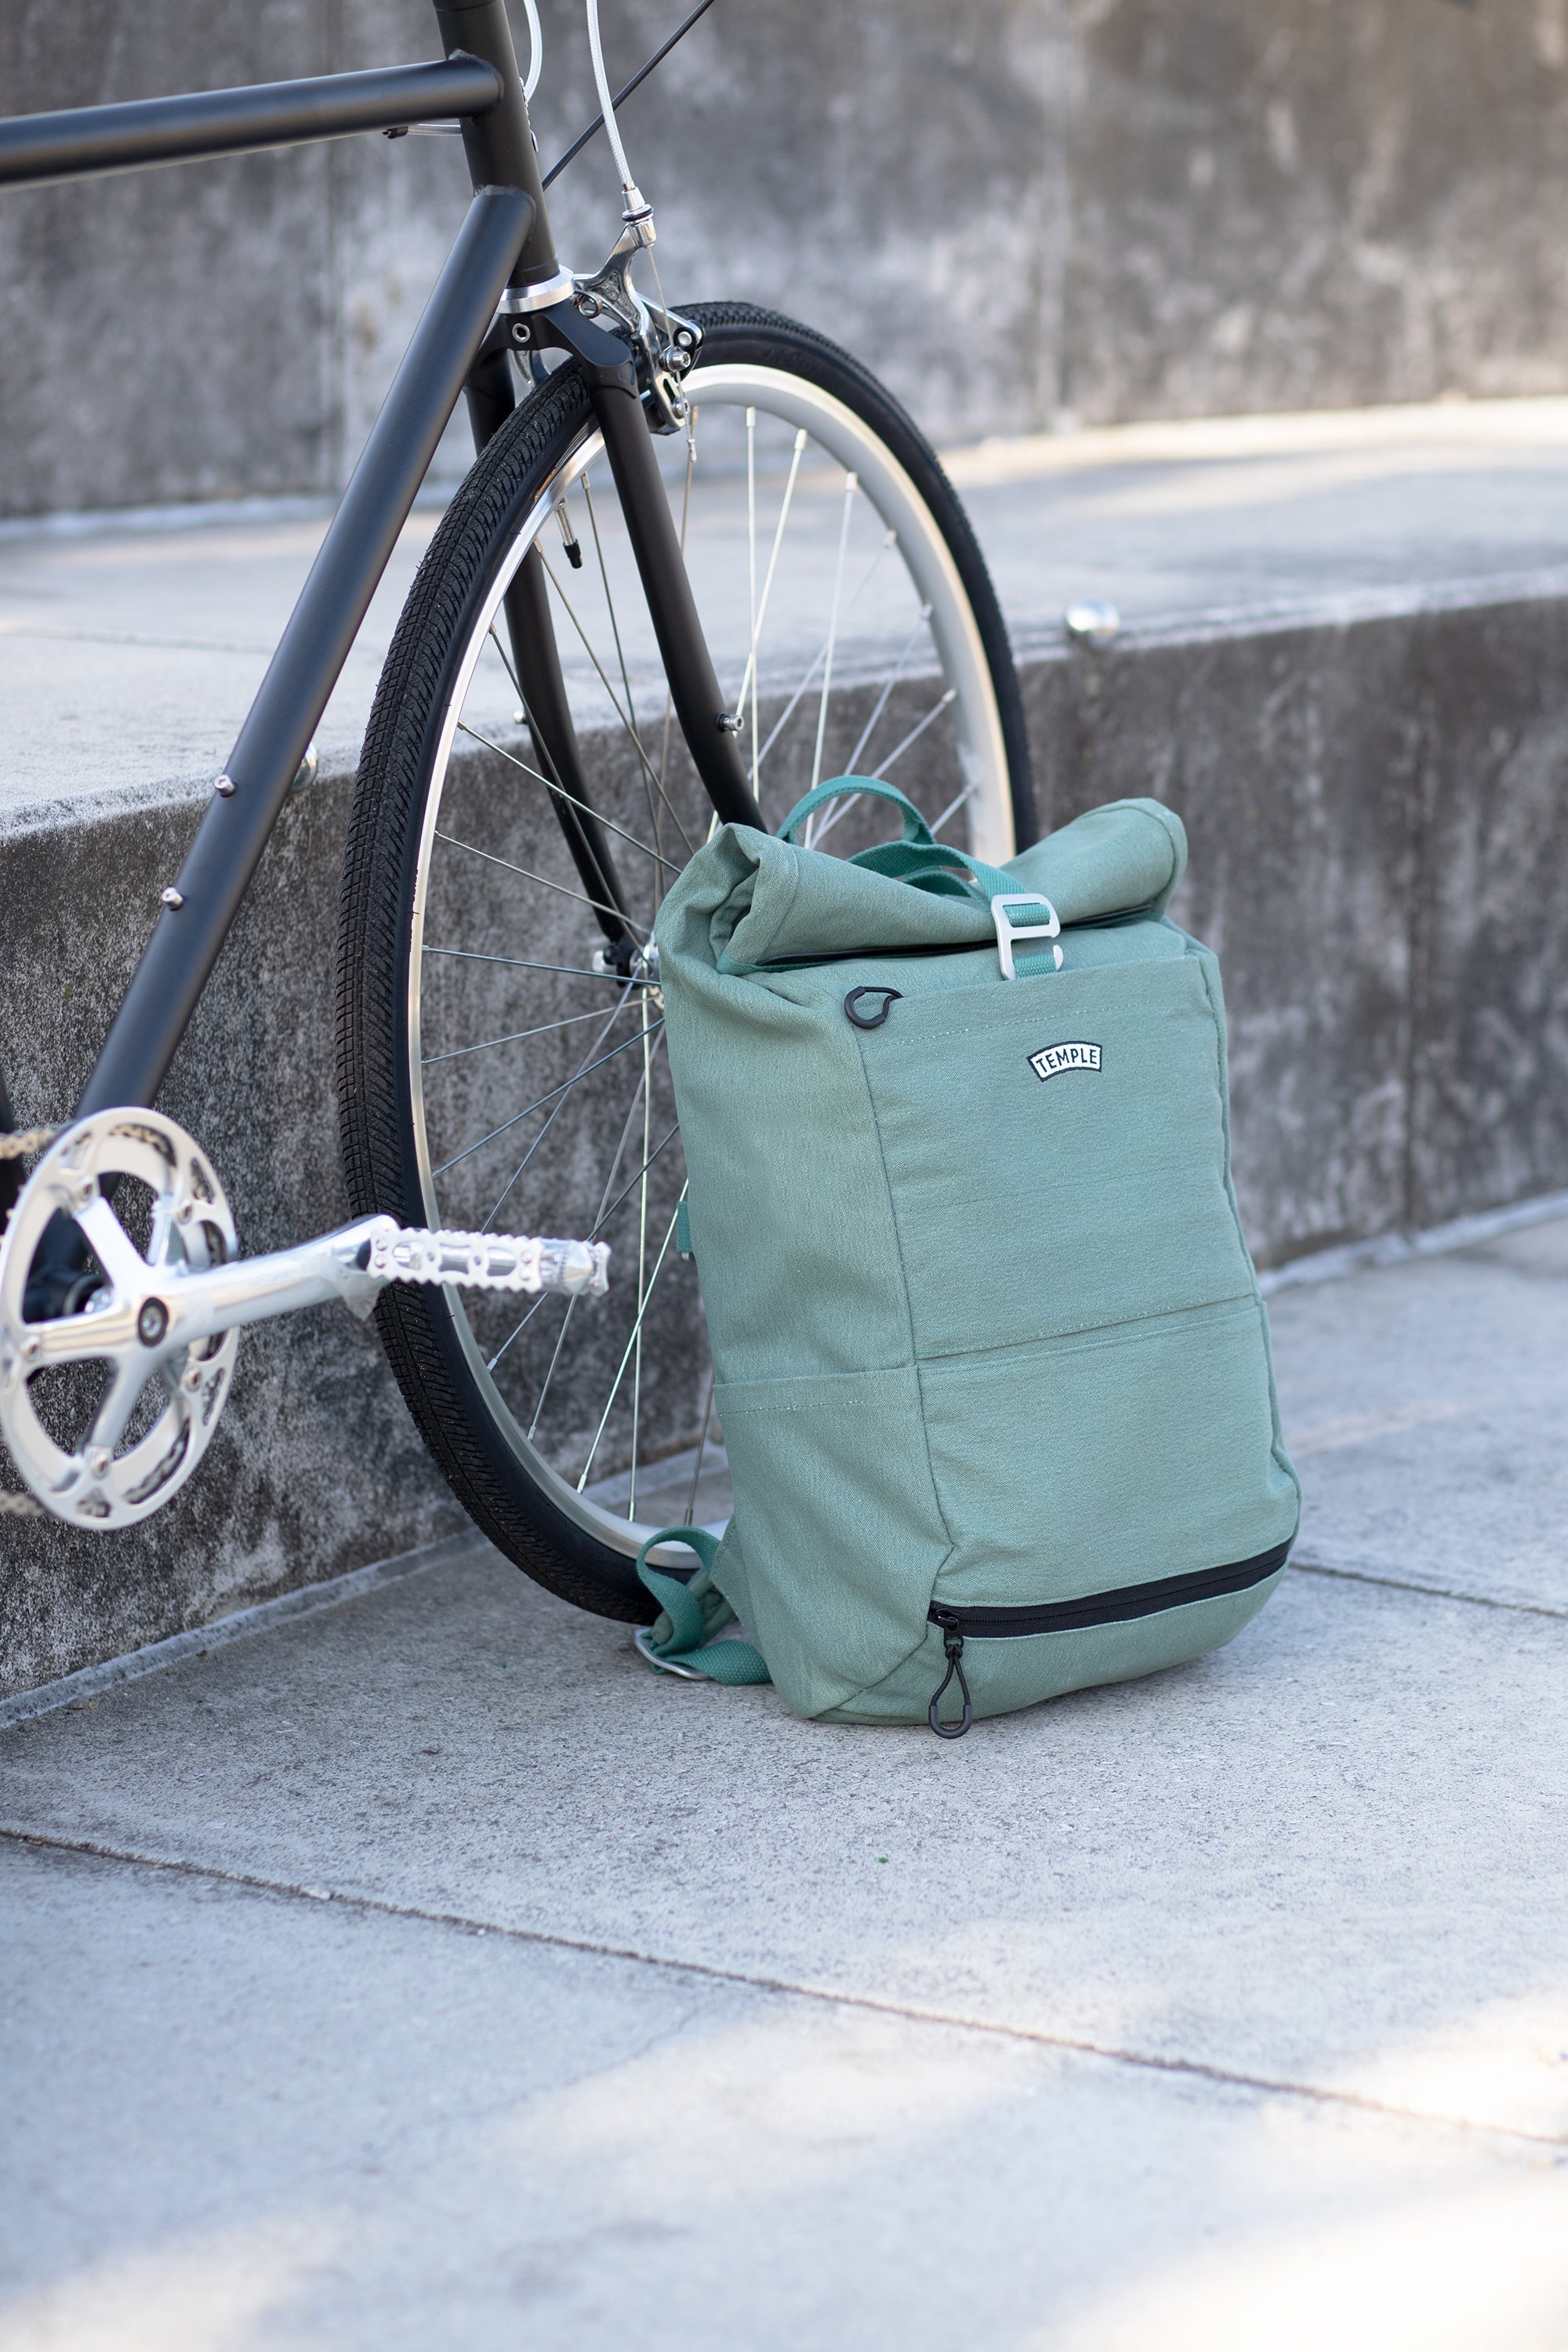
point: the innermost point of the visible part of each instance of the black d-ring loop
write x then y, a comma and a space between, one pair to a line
870, 1020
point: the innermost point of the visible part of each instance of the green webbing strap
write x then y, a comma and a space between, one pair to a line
838, 787
691, 1613
928, 865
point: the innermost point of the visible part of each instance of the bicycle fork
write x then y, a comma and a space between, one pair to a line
611, 377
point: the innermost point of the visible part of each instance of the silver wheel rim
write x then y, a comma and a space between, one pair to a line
938, 667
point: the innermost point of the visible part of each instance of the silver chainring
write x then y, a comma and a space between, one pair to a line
132, 1457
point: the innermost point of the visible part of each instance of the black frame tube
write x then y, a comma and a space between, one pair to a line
83, 141
498, 144
232, 836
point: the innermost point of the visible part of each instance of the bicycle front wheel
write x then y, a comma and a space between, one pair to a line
496, 1070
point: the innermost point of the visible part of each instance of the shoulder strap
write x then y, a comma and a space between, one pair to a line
677, 1640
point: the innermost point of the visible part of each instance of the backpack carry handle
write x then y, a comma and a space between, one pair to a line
839, 788
928, 865
916, 856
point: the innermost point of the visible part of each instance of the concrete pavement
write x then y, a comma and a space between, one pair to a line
425, 1971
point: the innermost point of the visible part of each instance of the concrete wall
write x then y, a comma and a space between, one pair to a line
1379, 828
1021, 211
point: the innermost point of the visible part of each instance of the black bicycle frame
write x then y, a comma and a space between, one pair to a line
505, 241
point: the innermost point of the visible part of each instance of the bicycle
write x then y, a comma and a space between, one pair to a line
660, 495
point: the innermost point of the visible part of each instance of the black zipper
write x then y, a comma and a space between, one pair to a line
1130, 1600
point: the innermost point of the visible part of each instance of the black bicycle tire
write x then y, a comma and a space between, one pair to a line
380, 861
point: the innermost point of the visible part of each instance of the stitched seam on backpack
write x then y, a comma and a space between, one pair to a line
908, 1306
731, 1390
980, 1021
867, 1690
910, 1314
1119, 1333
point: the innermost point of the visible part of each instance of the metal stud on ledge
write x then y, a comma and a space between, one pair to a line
1092, 622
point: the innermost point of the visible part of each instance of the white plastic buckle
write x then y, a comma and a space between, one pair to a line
1007, 931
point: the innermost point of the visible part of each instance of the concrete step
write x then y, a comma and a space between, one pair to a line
1342, 657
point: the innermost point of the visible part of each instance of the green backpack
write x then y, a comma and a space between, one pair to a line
993, 1369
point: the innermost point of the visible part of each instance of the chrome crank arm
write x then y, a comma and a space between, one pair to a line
353, 1265
166, 1317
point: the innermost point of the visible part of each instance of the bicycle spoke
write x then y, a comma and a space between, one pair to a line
614, 1205
850, 486
564, 1087
953, 807
916, 732
598, 904
488, 1045
805, 686
749, 682
631, 1187
552, 782
618, 830
852, 765
603, 1217
571, 1302
634, 1340
565, 1097
632, 735
502, 752
521, 964
505, 661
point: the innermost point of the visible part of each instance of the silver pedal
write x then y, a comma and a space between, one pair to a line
489, 1261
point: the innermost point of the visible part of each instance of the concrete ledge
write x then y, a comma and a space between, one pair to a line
1377, 817
89, 1683
1378, 829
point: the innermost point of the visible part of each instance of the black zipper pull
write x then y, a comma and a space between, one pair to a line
952, 1642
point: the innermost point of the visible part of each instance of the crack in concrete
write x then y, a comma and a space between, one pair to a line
1433, 1591
917, 2013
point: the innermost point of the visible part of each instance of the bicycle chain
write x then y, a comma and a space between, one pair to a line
30, 1139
